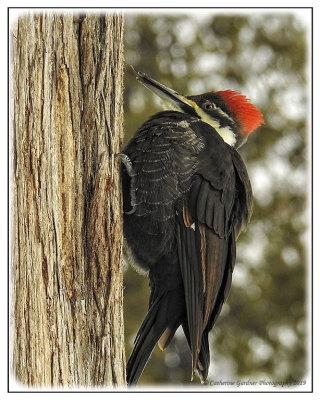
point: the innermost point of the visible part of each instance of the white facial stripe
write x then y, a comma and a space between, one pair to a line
226, 132
227, 135
225, 114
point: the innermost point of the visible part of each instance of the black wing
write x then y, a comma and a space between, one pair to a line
218, 207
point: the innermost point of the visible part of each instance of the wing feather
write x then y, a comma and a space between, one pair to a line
216, 254
207, 229
202, 200
190, 264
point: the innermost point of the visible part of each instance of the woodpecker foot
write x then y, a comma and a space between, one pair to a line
125, 160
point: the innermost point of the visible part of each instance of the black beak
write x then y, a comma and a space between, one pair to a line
170, 97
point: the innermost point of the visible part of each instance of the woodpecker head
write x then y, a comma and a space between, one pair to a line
230, 113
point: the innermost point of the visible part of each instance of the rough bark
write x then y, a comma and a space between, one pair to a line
67, 218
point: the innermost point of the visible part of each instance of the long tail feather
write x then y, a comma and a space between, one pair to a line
151, 330
204, 357
203, 360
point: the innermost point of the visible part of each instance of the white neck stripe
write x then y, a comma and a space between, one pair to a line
226, 132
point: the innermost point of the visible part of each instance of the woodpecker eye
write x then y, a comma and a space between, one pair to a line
209, 106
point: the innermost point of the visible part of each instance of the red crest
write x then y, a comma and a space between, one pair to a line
246, 113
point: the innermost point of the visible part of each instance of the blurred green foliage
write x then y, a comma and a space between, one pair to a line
263, 329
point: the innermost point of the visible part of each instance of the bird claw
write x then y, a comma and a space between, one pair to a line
125, 160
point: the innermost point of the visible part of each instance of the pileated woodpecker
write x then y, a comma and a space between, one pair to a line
187, 196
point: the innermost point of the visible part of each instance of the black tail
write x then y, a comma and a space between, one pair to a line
163, 319
203, 362
150, 332
204, 357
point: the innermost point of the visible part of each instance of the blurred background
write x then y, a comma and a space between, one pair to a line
263, 330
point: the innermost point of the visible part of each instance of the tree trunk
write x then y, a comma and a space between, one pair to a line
67, 219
